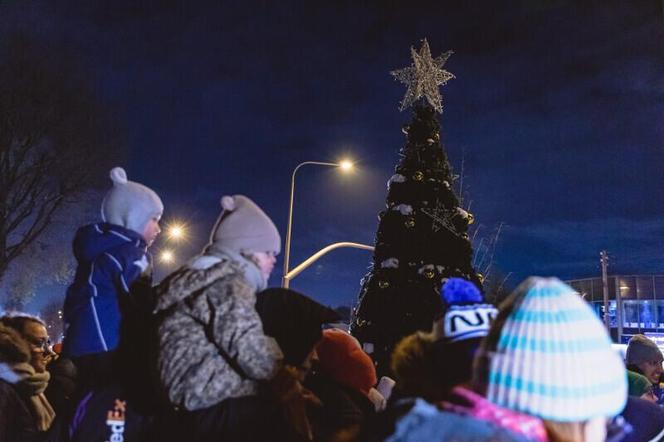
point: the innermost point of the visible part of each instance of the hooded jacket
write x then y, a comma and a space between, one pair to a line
110, 258
16, 421
211, 341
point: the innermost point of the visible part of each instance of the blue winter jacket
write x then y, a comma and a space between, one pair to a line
109, 258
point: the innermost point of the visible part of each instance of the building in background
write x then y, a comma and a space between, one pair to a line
639, 308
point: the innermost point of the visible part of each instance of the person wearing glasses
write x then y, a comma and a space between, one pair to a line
25, 352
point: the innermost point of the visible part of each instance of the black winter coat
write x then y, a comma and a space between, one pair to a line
16, 422
344, 412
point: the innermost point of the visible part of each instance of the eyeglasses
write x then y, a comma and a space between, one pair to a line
42, 344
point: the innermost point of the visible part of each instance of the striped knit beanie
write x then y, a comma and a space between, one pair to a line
548, 355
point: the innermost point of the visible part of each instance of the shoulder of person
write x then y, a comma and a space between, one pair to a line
216, 270
201, 275
126, 252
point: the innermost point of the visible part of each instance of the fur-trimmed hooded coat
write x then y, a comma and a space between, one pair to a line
16, 421
211, 341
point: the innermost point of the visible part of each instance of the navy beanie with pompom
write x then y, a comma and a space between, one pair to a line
466, 315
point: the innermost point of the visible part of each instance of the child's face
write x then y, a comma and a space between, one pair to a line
151, 230
265, 262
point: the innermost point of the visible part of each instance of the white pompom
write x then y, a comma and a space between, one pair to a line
228, 202
118, 175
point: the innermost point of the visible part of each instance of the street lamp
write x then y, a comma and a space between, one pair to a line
176, 231
167, 257
313, 258
344, 165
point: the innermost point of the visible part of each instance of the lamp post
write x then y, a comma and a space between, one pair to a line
344, 165
313, 258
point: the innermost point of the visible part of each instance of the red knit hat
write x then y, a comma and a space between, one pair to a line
342, 358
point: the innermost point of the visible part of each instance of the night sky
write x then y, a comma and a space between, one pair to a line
556, 111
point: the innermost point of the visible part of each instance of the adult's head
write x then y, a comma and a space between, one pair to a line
132, 205
639, 386
33, 331
414, 370
341, 357
422, 363
548, 355
465, 322
295, 322
643, 356
243, 228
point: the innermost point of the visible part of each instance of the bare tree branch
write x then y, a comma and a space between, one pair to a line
53, 139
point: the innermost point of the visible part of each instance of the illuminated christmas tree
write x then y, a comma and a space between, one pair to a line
422, 234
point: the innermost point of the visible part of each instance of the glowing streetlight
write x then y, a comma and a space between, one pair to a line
176, 231
345, 166
167, 257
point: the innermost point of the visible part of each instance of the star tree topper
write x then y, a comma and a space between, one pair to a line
423, 77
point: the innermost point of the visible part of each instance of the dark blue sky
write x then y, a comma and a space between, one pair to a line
557, 109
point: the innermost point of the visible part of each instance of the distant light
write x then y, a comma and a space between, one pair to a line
166, 257
175, 231
346, 165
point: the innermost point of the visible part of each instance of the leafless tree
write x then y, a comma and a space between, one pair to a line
55, 138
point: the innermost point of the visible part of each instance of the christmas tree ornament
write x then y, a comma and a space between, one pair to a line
396, 178
410, 222
467, 216
436, 136
405, 128
418, 175
404, 209
480, 277
383, 284
430, 141
440, 217
423, 77
428, 271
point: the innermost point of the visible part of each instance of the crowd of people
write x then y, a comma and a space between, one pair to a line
212, 354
